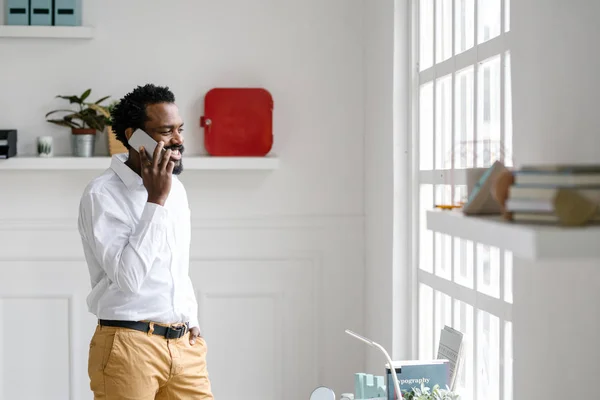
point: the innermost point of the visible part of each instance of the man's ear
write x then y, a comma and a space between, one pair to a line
128, 133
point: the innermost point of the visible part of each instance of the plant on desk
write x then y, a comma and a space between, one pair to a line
84, 122
425, 393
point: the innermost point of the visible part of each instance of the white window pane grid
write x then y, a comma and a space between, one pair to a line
443, 30
426, 127
477, 135
506, 15
443, 194
426, 37
460, 193
486, 369
443, 314
443, 243
463, 262
488, 356
489, 13
443, 255
464, 111
426, 316
488, 270
463, 322
465, 120
426, 244
443, 123
464, 25
488, 112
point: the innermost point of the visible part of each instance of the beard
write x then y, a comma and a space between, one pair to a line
178, 168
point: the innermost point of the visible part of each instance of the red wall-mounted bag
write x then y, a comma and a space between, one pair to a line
238, 122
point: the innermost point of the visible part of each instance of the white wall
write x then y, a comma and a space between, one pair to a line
556, 89
556, 93
294, 238
307, 53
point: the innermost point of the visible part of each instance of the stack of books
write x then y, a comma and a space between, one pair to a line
534, 195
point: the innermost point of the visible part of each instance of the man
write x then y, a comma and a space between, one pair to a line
134, 222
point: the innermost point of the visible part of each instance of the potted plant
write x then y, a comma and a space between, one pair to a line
426, 393
114, 145
84, 121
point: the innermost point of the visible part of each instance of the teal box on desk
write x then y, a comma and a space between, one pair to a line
41, 12
17, 12
413, 373
67, 12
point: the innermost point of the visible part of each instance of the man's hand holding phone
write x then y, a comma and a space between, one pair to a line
157, 174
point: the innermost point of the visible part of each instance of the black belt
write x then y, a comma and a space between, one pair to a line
169, 332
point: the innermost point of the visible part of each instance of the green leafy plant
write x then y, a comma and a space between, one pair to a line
87, 116
110, 108
426, 393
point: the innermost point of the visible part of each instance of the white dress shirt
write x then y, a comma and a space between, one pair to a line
137, 252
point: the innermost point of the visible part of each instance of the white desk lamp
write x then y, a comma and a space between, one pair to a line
387, 356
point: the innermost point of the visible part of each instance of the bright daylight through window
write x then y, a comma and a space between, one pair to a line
462, 103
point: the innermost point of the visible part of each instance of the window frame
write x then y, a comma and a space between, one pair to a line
473, 57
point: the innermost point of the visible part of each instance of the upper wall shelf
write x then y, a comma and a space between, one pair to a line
100, 163
46, 32
528, 241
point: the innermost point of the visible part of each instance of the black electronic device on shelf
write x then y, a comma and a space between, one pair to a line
8, 143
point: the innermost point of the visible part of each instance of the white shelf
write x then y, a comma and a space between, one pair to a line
528, 241
46, 32
100, 163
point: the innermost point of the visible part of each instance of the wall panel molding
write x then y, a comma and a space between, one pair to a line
314, 259
32, 327
267, 222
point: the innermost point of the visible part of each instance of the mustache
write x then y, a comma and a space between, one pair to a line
175, 147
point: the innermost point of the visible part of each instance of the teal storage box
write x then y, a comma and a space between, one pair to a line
17, 12
67, 12
40, 12
413, 373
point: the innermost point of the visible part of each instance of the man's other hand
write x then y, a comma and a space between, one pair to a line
194, 335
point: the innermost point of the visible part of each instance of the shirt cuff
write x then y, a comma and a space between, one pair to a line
194, 322
154, 213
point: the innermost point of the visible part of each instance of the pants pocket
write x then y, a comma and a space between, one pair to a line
101, 351
134, 366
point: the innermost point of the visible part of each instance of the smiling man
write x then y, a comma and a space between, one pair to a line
134, 222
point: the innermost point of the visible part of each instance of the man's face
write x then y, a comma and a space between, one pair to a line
164, 124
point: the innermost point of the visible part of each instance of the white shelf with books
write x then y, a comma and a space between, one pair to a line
525, 240
191, 163
536, 211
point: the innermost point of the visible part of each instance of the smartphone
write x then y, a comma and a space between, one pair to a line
141, 138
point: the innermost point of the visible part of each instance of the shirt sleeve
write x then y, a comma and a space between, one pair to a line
191, 293
126, 254
194, 315
192, 302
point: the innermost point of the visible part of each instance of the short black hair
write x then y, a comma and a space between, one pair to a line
130, 111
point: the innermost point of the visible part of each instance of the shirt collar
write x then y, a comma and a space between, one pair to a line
127, 175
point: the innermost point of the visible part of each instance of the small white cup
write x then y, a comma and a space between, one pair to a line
44, 146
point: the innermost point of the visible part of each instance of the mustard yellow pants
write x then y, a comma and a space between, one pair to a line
125, 364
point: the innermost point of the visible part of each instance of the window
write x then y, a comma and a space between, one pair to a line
463, 119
